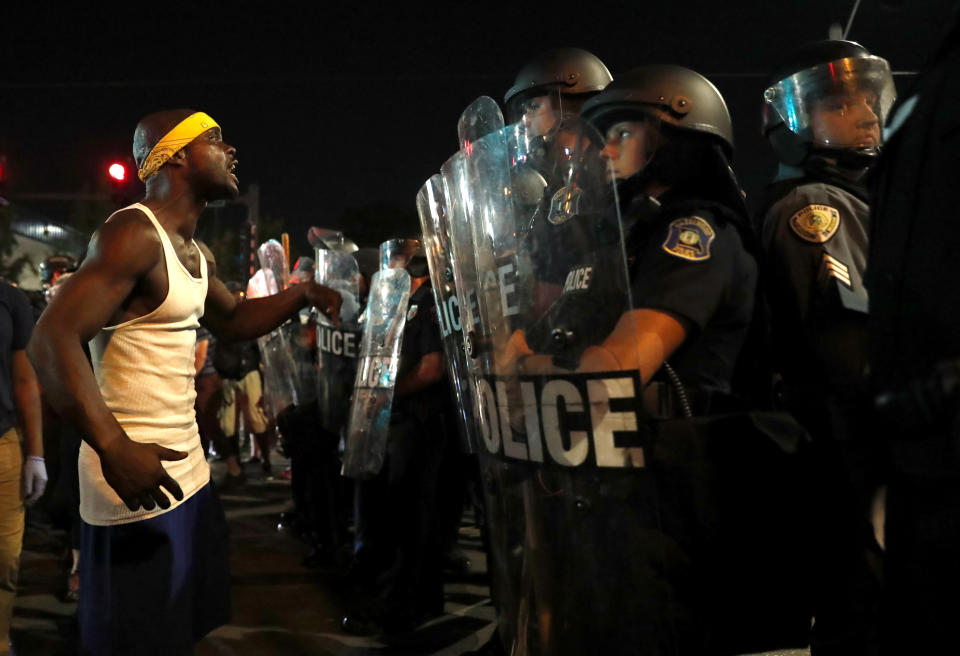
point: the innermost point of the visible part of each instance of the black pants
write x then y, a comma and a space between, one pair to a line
316, 484
398, 540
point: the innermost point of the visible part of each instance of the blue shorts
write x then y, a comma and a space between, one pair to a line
155, 586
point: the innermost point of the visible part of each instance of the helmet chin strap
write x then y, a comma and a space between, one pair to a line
848, 158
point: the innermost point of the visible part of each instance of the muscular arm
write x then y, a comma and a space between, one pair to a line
427, 372
121, 254
230, 320
112, 284
26, 398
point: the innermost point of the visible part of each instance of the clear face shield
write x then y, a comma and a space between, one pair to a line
540, 110
842, 104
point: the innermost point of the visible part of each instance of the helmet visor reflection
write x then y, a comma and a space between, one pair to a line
851, 89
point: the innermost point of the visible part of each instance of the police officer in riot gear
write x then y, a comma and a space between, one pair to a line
398, 544
550, 89
691, 275
669, 144
554, 83
823, 112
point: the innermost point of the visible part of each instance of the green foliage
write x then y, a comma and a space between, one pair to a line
8, 241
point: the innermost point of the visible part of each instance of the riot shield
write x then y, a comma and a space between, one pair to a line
434, 221
338, 346
280, 374
479, 119
300, 338
610, 532
369, 424
273, 258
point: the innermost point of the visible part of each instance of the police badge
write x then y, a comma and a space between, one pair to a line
690, 238
564, 205
815, 223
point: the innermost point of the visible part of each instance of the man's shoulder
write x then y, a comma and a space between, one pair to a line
126, 233
129, 218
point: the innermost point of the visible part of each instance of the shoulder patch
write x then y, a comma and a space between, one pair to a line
690, 238
815, 223
564, 204
412, 312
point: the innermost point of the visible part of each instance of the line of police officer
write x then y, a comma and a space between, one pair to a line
625, 344
704, 521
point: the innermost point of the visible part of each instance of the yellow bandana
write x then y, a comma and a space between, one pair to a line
173, 141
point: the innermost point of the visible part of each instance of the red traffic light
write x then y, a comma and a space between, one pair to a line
117, 171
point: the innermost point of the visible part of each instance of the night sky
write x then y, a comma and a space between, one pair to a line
338, 107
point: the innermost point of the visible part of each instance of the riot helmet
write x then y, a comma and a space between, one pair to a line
829, 97
54, 266
553, 83
662, 123
671, 95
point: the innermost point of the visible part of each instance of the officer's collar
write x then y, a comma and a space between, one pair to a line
829, 171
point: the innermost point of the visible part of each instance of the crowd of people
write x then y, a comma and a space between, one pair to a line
608, 354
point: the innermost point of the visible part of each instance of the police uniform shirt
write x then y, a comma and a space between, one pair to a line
682, 261
815, 244
689, 263
421, 335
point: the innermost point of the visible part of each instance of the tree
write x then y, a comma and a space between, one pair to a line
8, 241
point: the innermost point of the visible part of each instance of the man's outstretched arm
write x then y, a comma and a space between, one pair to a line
231, 320
121, 254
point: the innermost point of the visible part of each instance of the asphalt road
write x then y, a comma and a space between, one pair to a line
279, 607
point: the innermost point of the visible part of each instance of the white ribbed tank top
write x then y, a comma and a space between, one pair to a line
144, 368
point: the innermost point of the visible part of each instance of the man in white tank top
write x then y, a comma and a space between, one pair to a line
153, 557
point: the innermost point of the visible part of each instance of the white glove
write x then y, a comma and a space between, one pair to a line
34, 479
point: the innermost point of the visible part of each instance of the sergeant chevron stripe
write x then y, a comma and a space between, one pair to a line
834, 268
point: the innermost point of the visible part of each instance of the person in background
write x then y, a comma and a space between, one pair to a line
238, 364
23, 474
